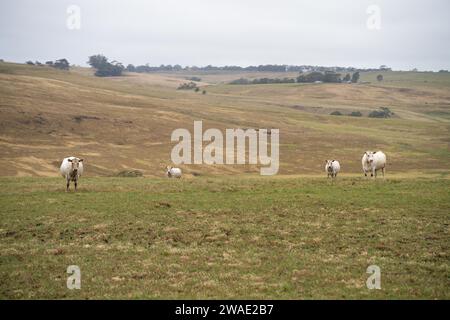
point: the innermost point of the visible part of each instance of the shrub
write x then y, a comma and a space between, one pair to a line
356, 114
240, 81
109, 71
384, 112
263, 81
129, 174
188, 86
310, 77
336, 113
332, 77
355, 77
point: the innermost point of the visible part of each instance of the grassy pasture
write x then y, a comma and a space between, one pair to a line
222, 231
231, 237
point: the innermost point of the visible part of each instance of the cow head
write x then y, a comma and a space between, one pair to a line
75, 164
370, 157
328, 165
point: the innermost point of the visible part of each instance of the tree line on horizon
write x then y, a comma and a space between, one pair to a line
312, 77
261, 68
105, 68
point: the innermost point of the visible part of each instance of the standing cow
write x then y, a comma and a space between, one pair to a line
372, 162
332, 168
71, 169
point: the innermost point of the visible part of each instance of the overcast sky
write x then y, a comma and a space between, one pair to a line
414, 33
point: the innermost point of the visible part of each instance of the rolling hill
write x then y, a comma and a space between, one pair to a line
125, 123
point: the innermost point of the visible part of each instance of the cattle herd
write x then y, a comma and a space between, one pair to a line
72, 167
371, 161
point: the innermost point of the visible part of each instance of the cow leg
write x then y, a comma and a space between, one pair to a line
382, 171
68, 184
76, 183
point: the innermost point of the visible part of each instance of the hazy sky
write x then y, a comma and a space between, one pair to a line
414, 33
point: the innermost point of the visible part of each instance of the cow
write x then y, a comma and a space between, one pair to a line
173, 172
332, 167
372, 162
71, 169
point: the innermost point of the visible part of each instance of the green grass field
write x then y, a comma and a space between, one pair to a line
225, 237
222, 231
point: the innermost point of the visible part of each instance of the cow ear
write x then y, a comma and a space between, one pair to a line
80, 160
70, 160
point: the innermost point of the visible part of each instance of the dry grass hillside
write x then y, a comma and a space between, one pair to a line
125, 123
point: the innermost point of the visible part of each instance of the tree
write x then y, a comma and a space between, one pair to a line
332, 77
355, 77
97, 61
61, 64
131, 68
347, 77
110, 70
105, 68
380, 77
310, 77
31, 63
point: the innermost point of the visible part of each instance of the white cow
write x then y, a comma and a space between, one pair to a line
71, 169
173, 172
332, 168
372, 162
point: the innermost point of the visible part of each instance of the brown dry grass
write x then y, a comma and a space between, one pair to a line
125, 123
